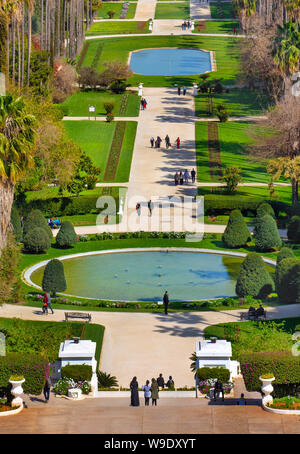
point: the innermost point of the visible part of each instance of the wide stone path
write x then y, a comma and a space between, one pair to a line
145, 10
199, 10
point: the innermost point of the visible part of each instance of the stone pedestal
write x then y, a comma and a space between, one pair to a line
16, 391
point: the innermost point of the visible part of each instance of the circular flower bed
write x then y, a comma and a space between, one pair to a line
285, 406
6, 409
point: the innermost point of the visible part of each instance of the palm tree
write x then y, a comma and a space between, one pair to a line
286, 47
17, 139
30, 7
293, 8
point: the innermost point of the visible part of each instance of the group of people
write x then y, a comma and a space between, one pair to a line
179, 177
218, 389
186, 25
259, 312
149, 205
47, 303
150, 390
143, 104
156, 142
54, 223
183, 90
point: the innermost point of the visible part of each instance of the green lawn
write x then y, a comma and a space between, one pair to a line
117, 7
239, 102
226, 49
172, 10
118, 28
78, 103
284, 193
95, 139
225, 13
233, 142
216, 27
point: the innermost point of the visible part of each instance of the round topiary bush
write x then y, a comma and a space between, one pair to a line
54, 277
285, 253
36, 219
236, 233
266, 233
293, 231
66, 236
287, 280
36, 241
253, 279
263, 209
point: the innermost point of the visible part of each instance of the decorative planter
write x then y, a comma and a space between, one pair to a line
267, 388
75, 393
16, 391
11, 412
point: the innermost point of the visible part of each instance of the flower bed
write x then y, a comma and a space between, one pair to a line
63, 385
6, 409
284, 406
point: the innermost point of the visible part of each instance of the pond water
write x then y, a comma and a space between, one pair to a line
145, 276
170, 62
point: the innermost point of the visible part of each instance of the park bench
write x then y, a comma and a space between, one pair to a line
253, 316
80, 315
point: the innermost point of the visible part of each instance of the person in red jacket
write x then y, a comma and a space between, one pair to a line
178, 142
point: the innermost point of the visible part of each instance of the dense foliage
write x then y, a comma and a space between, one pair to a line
54, 277
66, 236
236, 233
266, 234
287, 280
77, 372
106, 380
265, 208
253, 278
285, 253
293, 231
36, 240
10, 281
205, 373
36, 219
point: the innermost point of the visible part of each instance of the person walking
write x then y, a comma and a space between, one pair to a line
152, 141
184, 91
218, 389
181, 178
49, 302
167, 140
178, 143
45, 304
158, 140
46, 390
186, 176
166, 302
144, 104
193, 175
179, 90
134, 398
138, 209
147, 393
154, 392
150, 207
176, 178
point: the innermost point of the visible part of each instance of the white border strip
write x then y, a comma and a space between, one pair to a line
26, 275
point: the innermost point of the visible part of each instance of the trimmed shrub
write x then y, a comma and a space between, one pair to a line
36, 219
266, 233
205, 373
54, 277
32, 367
16, 223
216, 204
236, 233
66, 236
77, 372
265, 208
36, 241
253, 278
293, 231
284, 366
285, 253
106, 380
287, 280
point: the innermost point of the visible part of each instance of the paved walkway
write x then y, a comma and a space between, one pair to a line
145, 10
199, 10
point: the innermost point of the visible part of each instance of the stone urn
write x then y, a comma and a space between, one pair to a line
16, 391
267, 388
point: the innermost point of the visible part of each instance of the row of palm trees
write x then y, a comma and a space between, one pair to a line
269, 10
61, 32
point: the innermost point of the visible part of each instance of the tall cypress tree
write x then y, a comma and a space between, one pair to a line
253, 279
236, 233
54, 277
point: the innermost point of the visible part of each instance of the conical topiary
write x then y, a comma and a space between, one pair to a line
266, 233
36, 219
287, 280
54, 277
285, 253
236, 233
253, 279
36, 241
263, 209
66, 236
293, 231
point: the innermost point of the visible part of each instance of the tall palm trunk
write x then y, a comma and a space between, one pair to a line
91, 12
13, 48
294, 192
58, 28
63, 28
23, 44
72, 30
19, 56
6, 201
42, 26
29, 42
87, 14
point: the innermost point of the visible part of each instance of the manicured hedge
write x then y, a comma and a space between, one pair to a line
253, 279
95, 333
266, 234
293, 231
285, 253
236, 233
284, 366
32, 367
215, 204
287, 280
77, 372
205, 373
66, 236
36, 241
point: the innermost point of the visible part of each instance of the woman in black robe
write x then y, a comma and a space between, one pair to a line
135, 400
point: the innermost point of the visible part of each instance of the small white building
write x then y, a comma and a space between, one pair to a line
216, 353
79, 351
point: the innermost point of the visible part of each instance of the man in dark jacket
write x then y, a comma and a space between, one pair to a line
218, 389
166, 302
161, 381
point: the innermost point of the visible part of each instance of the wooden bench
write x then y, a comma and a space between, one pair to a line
80, 315
247, 316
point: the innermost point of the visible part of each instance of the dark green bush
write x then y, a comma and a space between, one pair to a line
253, 278
54, 277
265, 208
66, 236
36, 241
266, 233
293, 231
284, 366
77, 372
287, 280
32, 367
16, 223
236, 233
106, 380
36, 219
204, 373
215, 204
285, 253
